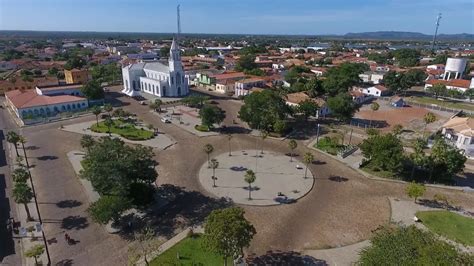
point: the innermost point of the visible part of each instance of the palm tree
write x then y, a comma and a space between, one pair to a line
229, 138
428, 119
22, 140
208, 149
292, 145
35, 252
374, 106
109, 124
250, 178
87, 141
14, 138
108, 108
20, 175
22, 194
96, 111
307, 158
418, 157
264, 135
214, 165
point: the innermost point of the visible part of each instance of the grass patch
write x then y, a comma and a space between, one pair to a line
191, 252
329, 145
123, 129
446, 103
201, 128
450, 225
380, 173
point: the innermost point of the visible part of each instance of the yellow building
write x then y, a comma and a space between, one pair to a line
75, 76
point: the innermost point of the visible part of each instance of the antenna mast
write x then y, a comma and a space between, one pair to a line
436, 32
179, 23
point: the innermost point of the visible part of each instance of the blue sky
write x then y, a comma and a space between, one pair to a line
238, 16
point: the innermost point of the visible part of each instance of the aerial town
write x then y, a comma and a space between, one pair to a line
124, 148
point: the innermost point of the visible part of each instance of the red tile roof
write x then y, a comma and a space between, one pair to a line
460, 83
29, 98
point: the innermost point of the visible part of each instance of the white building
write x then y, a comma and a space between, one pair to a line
372, 77
377, 91
459, 131
155, 78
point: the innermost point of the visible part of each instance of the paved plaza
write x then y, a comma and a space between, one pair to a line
161, 141
277, 181
186, 118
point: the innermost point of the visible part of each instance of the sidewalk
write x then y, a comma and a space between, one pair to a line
75, 157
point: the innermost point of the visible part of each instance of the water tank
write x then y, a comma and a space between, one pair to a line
456, 65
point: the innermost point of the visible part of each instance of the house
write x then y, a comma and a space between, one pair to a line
461, 85
377, 91
372, 77
319, 71
359, 97
225, 86
46, 101
19, 84
76, 76
243, 86
294, 99
459, 131
397, 102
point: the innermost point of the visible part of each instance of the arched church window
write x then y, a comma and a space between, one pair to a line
172, 80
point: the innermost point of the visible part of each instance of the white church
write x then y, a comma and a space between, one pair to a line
156, 78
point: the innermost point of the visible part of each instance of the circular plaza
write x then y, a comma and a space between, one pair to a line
278, 180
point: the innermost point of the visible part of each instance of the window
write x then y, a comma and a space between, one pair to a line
172, 80
466, 141
472, 141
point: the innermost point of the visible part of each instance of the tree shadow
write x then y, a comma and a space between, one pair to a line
32, 148
438, 205
175, 209
361, 122
318, 162
234, 130
253, 188
7, 244
68, 203
65, 262
338, 178
47, 158
238, 168
74, 222
284, 258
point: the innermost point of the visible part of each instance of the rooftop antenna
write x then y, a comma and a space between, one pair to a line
436, 32
179, 23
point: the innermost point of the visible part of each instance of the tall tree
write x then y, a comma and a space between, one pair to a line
342, 106
377, 148
292, 145
208, 149
249, 178
214, 165
92, 90
96, 111
108, 208
307, 158
418, 157
445, 161
308, 108
263, 135
211, 115
22, 194
108, 108
415, 190
87, 142
227, 232
428, 118
20, 175
14, 139
375, 107
109, 123
34, 252
341, 78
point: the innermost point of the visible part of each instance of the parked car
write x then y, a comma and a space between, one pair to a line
165, 120
143, 103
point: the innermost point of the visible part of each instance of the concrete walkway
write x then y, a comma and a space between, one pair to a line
347, 255
160, 142
75, 157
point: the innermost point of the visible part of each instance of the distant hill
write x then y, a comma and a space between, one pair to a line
401, 35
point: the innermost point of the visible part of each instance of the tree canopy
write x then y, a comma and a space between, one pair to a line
211, 114
342, 106
378, 148
92, 90
445, 161
407, 57
227, 232
263, 110
393, 245
343, 77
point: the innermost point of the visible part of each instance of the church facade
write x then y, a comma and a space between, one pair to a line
156, 78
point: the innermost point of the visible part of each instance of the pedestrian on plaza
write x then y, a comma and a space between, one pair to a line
68, 239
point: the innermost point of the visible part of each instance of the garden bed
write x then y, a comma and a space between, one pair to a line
126, 130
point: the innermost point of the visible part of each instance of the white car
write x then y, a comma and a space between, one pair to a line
165, 120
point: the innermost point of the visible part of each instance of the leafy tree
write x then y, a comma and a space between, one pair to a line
145, 239
92, 90
341, 78
407, 57
261, 110
22, 194
53, 71
208, 149
392, 80
229, 138
440, 59
445, 161
249, 179
280, 126
307, 159
74, 62
87, 142
375, 107
393, 245
438, 90
418, 157
14, 138
108, 208
308, 108
156, 105
342, 106
378, 58
292, 145
210, 115
415, 190
214, 165
246, 62
197, 101
429, 118
109, 123
108, 73
96, 111
414, 77
108, 108
35, 252
117, 169
397, 129
20, 175
227, 232
377, 148
314, 87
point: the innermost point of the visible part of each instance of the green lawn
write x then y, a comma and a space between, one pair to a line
447, 103
381, 173
329, 145
123, 129
449, 225
191, 252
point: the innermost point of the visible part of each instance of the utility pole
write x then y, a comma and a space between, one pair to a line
436, 32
